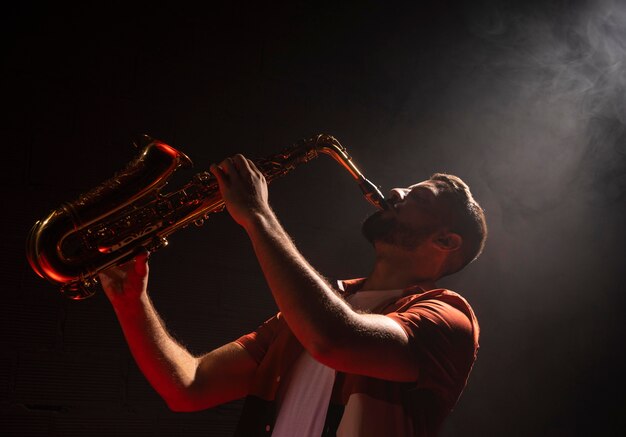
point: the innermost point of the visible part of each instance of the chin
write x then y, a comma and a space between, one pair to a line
378, 226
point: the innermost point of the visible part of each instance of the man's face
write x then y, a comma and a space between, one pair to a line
413, 216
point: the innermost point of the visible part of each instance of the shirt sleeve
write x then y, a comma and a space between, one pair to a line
258, 342
443, 340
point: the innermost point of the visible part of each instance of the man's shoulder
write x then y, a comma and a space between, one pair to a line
443, 304
436, 294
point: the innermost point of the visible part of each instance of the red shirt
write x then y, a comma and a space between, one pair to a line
443, 333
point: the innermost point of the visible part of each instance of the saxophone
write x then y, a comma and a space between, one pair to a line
128, 213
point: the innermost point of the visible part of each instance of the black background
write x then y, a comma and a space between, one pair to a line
523, 100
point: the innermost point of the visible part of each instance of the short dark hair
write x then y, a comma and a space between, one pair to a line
465, 217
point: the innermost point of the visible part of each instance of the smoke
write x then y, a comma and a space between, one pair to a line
535, 121
562, 70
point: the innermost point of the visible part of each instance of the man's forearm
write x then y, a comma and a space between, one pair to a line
169, 368
320, 319
312, 309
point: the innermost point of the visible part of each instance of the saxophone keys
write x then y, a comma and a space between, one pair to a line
81, 289
156, 244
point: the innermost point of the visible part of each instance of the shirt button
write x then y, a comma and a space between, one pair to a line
267, 428
278, 379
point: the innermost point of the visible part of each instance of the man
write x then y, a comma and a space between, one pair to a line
385, 355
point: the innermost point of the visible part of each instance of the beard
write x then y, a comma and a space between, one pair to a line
387, 228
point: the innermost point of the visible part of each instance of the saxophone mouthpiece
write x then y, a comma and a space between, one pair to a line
373, 194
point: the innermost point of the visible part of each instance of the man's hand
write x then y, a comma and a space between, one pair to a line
243, 188
126, 282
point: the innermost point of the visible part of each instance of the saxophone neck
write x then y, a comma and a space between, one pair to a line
331, 146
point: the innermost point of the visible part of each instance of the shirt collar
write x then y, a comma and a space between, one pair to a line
351, 286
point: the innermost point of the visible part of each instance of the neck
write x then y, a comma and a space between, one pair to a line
390, 273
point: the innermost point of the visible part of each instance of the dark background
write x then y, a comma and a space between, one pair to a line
524, 100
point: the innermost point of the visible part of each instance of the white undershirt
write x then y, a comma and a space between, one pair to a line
303, 398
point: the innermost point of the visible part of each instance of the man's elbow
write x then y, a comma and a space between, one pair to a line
328, 351
186, 405
180, 405
186, 401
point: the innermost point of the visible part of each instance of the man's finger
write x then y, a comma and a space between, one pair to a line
141, 263
240, 160
229, 168
244, 166
142, 257
219, 174
110, 275
243, 163
252, 166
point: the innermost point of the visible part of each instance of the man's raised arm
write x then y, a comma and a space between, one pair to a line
334, 334
185, 382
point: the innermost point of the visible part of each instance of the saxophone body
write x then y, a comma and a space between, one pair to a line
130, 212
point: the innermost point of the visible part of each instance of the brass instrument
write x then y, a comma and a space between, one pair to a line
111, 223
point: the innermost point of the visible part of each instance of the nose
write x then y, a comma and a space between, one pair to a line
397, 194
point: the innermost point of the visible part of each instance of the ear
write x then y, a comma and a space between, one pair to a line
448, 241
